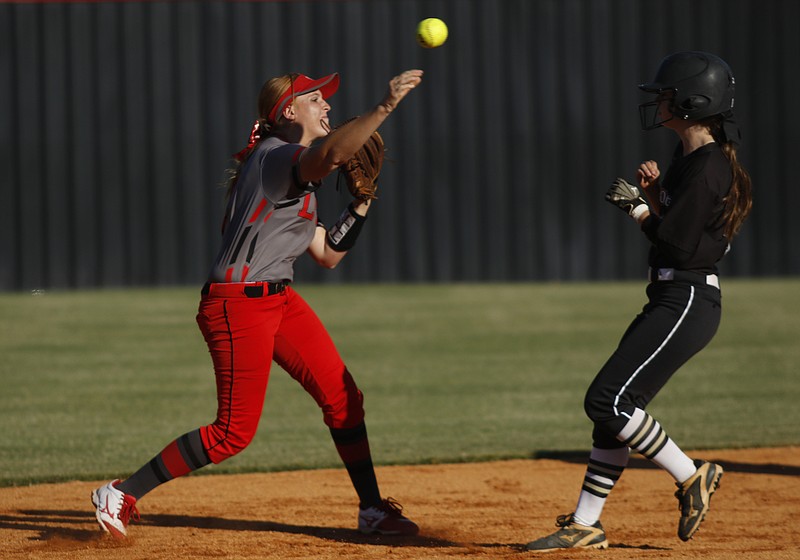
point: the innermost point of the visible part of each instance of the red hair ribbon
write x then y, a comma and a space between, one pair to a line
255, 136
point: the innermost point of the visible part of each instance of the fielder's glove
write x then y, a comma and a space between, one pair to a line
627, 197
362, 170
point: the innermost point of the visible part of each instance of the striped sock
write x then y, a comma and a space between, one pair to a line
353, 447
604, 469
182, 456
644, 434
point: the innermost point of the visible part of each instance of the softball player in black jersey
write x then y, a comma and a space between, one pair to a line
690, 218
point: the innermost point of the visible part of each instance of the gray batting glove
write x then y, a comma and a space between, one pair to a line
627, 198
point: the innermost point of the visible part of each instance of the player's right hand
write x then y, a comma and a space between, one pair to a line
647, 175
399, 86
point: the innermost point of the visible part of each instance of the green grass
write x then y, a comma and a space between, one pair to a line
95, 383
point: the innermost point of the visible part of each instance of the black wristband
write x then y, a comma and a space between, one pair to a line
342, 236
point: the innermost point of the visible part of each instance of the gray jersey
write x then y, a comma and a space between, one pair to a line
271, 217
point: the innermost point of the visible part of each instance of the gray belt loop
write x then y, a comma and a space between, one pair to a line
670, 274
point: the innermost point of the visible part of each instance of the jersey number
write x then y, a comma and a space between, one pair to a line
304, 213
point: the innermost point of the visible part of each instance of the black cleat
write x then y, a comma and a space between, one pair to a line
571, 535
694, 497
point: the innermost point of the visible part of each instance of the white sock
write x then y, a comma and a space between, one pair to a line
643, 434
604, 469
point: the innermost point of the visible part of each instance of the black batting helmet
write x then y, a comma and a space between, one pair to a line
701, 83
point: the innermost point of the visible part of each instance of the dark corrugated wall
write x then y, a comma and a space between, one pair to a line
119, 118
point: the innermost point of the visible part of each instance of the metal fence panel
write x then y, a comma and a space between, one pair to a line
119, 119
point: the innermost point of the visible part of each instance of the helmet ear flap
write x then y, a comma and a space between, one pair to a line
692, 104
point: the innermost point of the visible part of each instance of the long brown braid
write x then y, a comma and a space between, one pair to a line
739, 200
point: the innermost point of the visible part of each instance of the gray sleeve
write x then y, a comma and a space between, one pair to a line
278, 174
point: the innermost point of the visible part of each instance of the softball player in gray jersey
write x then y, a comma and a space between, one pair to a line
250, 315
271, 218
690, 220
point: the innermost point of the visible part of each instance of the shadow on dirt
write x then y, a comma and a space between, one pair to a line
59, 527
63, 531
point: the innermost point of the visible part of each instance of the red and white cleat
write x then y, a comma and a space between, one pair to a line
114, 509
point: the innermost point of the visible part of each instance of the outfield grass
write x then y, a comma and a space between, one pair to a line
95, 383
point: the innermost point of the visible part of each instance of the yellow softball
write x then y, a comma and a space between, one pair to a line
431, 32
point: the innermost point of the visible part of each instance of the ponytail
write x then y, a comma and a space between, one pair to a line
739, 200
259, 132
271, 92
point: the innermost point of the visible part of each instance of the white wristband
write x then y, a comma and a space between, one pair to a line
637, 212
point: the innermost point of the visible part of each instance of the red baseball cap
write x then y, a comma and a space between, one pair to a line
302, 85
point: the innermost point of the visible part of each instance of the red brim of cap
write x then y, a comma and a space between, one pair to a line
301, 86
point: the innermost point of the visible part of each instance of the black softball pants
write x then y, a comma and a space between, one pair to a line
678, 321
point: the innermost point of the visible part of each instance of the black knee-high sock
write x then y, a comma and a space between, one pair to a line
353, 447
182, 456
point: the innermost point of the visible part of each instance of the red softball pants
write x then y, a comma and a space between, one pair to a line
244, 335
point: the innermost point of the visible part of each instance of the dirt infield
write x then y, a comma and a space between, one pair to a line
481, 510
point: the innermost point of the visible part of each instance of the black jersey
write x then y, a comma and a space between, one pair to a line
689, 234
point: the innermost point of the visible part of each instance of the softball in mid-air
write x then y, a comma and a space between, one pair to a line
431, 32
